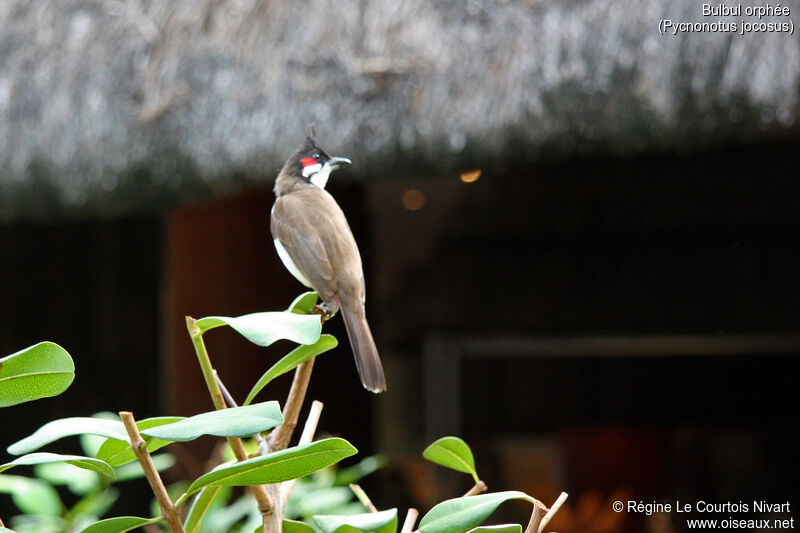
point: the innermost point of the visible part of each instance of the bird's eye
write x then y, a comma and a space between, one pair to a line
315, 156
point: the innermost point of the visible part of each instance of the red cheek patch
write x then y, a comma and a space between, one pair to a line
308, 161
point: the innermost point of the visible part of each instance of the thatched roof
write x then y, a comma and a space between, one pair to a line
122, 104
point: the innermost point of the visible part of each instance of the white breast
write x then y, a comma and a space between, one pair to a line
289, 264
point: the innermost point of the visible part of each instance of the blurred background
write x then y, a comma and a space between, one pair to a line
581, 237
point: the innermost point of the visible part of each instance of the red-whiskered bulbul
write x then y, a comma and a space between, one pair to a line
314, 241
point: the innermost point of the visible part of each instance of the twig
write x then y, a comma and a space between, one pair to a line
265, 503
280, 437
306, 437
205, 363
479, 487
536, 517
411, 519
269, 497
363, 498
224, 390
273, 521
263, 448
553, 510
139, 447
312, 421
263, 445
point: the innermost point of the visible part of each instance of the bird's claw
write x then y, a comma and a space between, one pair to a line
323, 310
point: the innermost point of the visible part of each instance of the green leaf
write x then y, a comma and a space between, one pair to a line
295, 526
381, 522
265, 328
39, 371
234, 422
452, 452
199, 508
77, 480
162, 461
354, 473
307, 502
304, 303
501, 528
117, 453
291, 360
92, 506
65, 427
87, 463
32, 496
462, 514
120, 524
226, 514
290, 463
90, 444
39, 523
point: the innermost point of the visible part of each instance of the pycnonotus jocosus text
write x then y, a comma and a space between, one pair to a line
314, 241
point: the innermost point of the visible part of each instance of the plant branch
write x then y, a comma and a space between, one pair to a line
139, 447
536, 517
411, 519
363, 498
205, 363
280, 437
273, 522
226, 395
263, 448
269, 497
265, 502
553, 510
309, 429
312, 421
479, 487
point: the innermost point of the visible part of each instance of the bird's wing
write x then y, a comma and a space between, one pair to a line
317, 239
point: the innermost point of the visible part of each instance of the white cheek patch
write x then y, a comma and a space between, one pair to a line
311, 169
320, 178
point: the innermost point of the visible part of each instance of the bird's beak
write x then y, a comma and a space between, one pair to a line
335, 162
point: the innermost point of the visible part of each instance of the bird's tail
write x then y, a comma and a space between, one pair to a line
367, 360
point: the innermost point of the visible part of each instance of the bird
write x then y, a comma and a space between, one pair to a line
315, 244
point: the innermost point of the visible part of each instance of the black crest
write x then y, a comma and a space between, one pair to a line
309, 148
